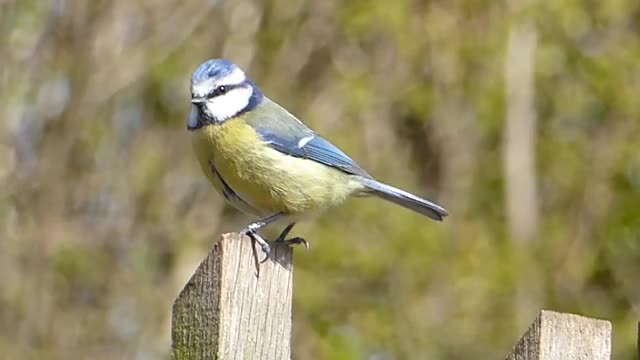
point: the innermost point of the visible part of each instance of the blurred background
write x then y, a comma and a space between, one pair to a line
521, 117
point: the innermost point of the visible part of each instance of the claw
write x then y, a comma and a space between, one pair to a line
295, 241
264, 245
252, 231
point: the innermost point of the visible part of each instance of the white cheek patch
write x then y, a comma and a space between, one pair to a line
226, 106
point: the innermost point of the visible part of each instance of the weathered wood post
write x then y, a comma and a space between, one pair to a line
564, 336
233, 307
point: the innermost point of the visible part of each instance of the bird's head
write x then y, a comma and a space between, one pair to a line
220, 90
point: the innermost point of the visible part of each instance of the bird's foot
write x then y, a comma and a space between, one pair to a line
294, 241
264, 244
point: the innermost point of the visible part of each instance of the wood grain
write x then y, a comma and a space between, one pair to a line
555, 336
233, 307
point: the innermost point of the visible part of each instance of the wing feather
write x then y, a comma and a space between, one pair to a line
285, 133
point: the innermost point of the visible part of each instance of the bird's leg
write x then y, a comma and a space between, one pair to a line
252, 231
293, 241
285, 232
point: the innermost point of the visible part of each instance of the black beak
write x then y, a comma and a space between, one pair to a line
197, 100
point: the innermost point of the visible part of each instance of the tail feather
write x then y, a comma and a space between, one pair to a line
405, 199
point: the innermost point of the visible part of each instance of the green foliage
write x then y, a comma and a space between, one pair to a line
104, 212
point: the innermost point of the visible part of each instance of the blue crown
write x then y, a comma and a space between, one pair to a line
211, 69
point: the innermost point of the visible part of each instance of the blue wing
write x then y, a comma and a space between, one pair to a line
316, 149
285, 133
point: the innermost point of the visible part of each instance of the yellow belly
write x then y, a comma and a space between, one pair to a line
266, 179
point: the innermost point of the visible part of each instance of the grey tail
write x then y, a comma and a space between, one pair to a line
405, 199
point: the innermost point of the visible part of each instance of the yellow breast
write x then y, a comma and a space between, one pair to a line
264, 178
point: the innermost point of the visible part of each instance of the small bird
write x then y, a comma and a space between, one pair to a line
267, 163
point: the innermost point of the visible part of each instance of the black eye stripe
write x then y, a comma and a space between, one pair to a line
222, 89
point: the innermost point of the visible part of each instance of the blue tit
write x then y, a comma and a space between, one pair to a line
267, 163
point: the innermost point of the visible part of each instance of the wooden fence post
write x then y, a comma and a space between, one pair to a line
564, 336
231, 308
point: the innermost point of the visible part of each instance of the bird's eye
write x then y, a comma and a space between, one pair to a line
220, 90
